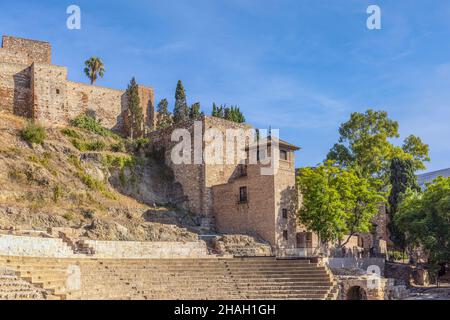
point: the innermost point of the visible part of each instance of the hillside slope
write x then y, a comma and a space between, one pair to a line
110, 195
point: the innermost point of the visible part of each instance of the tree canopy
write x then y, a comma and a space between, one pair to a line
425, 220
365, 145
337, 202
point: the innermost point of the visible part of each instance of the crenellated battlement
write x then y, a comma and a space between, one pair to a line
31, 86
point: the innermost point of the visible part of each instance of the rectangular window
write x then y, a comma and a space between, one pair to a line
285, 235
284, 155
243, 195
285, 213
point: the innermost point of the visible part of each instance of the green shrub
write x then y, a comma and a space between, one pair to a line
68, 216
118, 147
88, 214
75, 161
91, 124
83, 146
33, 133
91, 183
137, 145
71, 133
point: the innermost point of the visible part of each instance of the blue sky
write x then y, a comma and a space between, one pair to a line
299, 65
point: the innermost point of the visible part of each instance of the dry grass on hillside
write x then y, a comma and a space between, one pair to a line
55, 184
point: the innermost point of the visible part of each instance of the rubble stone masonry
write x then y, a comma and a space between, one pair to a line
32, 87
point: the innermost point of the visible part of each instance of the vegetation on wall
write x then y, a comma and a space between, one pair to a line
90, 123
232, 113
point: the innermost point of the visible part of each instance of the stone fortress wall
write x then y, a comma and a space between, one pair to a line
32, 87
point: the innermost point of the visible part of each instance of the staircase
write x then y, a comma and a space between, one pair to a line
13, 287
179, 279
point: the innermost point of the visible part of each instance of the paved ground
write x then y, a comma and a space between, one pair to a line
442, 293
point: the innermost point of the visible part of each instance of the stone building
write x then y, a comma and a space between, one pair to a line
235, 197
31, 86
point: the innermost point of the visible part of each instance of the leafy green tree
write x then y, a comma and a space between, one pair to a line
164, 118
94, 69
418, 150
194, 112
181, 110
135, 112
364, 145
337, 202
402, 179
425, 220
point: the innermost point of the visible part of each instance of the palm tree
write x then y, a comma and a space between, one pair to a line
94, 69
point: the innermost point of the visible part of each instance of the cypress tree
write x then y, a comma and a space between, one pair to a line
194, 112
402, 178
135, 112
181, 110
164, 118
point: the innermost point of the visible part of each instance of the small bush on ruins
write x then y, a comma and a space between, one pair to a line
33, 133
93, 125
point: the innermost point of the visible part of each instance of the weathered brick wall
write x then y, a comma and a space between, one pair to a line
36, 51
108, 104
189, 176
197, 180
15, 88
49, 89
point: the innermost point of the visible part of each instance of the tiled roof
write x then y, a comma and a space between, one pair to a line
425, 178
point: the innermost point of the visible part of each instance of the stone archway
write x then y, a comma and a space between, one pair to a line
356, 293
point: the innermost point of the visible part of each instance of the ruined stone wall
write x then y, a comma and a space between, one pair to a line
49, 90
15, 86
32, 87
35, 51
197, 180
189, 176
108, 104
